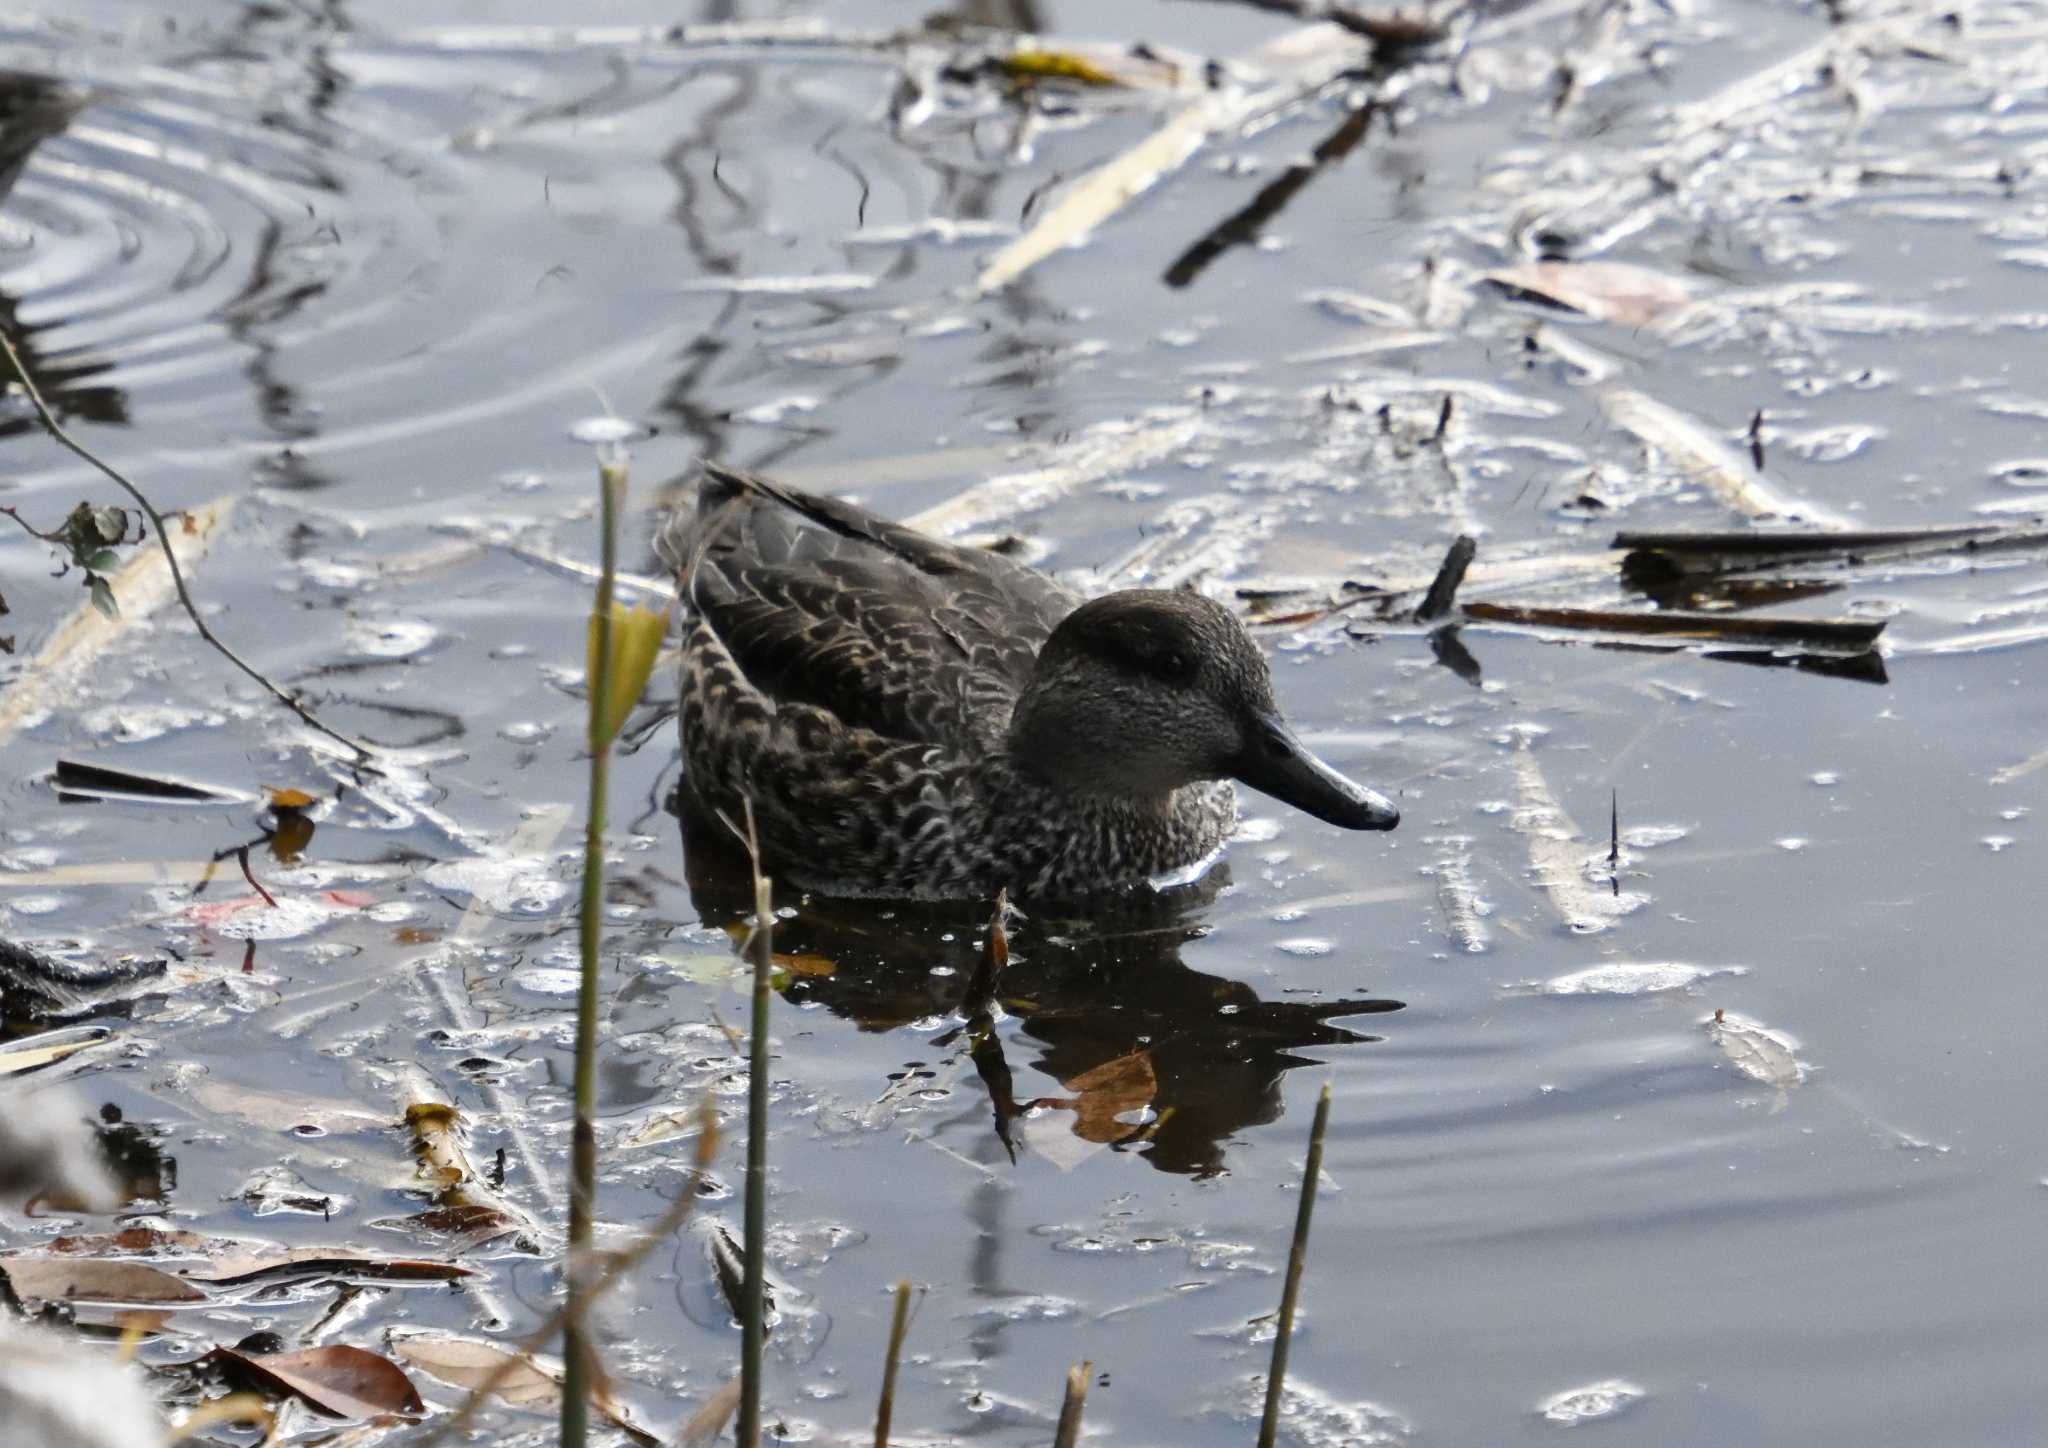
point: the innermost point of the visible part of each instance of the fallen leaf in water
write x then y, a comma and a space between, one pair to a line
1024, 66
139, 1242
1603, 290
1756, 1050
457, 1229
1103, 1097
464, 1362
349, 1382
70, 1279
709, 1421
1110, 1091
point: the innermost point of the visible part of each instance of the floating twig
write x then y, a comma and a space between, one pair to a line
1698, 554
1302, 62
64, 439
1242, 227
1297, 1257
1837, 633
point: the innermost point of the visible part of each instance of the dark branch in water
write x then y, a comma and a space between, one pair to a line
1742, 548
1443, 591
1841, 633
1243, 227
163, 538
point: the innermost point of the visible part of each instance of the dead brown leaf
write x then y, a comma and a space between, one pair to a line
1606, 291
1115, 1088
349, 1382
242, 1259
464, 1362
67, 1279
709, 1421
467, 1363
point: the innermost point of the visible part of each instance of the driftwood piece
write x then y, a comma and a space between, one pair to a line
1837, 633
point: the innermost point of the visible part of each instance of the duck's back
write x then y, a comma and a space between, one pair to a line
818, 602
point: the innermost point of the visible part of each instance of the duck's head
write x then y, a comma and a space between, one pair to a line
1140, 692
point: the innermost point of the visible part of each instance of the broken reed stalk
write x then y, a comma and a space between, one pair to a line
1443, 589
163, 538
556, 1321
1297, 1255
1069, 1433
576, 1349
754, 1285
899, 1323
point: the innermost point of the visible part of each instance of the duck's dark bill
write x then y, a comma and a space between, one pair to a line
1275, 762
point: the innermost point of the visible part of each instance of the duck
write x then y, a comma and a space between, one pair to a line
913, 718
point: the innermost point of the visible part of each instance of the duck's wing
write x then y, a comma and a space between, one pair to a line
819, 602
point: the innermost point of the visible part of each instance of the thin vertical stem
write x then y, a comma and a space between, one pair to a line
1297, 1255
898, 1324
754, 1285
576, 1347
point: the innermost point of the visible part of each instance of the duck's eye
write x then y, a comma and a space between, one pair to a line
1174, 666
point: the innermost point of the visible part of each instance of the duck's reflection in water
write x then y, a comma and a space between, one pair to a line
1151, 1055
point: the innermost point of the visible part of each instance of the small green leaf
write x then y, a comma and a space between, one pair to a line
104, 561
103, 596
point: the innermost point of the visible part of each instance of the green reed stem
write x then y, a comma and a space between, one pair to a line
754, 1286
576, 1346
1297, 1255
898, 1325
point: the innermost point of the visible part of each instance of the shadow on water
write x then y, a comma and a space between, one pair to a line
1162, 1059
34, 108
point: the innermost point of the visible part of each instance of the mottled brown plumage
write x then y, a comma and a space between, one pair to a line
914, 718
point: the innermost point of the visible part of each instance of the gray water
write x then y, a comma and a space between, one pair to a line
369, 272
